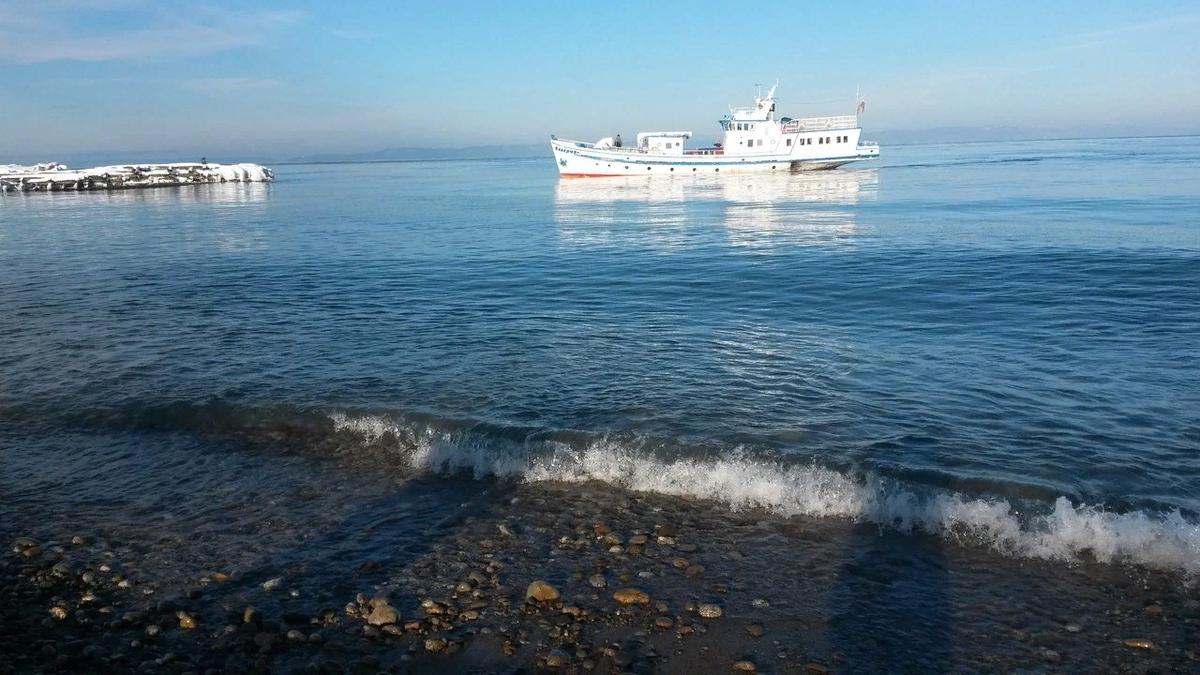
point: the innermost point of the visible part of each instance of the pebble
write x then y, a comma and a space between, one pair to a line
1154, 609
1073, 628
436, 645
686, 548
755, 630
631, 596
817, 668
557, 658
1138, 643
296, 636
637, 540
272, 584
59, 613
186, 620
153, 630
695, 570
760, 603
382, 613
710, 611
744, 666
541, 591
664, 622
597, 581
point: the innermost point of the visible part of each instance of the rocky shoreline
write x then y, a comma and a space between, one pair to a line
55, 177
569, 579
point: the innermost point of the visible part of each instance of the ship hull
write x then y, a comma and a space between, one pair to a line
578, 160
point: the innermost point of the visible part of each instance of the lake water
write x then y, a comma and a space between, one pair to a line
994, 345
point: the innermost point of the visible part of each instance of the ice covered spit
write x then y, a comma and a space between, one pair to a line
54, 177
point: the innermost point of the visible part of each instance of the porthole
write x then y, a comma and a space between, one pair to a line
648, 168
626, 166
693, 168
772, 167
672, 168
718, 169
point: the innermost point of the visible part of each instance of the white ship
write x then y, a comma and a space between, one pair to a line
754, 141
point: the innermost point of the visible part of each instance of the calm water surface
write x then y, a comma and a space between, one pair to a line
1002, 338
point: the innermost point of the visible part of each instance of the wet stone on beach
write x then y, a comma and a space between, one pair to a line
631, 596
709, 611
541, 592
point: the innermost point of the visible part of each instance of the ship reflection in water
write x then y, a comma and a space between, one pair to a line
760, 212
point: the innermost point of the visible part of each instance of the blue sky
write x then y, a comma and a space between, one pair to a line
277, 79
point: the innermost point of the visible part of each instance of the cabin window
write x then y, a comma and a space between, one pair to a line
669, 144
760, 142
826, 139
751, 127
820, 141
789, 142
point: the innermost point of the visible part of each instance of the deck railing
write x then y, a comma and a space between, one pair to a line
820, 123
614, 148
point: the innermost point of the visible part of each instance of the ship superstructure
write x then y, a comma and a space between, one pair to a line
752, 141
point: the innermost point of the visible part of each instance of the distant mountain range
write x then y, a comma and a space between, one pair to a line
885, 137
976, 135
400, 154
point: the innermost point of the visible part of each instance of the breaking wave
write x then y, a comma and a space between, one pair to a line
1054, 531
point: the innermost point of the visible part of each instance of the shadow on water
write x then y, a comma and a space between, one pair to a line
298, 537
890, 604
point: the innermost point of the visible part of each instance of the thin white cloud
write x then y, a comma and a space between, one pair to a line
57, 30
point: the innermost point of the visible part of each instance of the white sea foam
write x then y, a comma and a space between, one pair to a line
1063, 532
